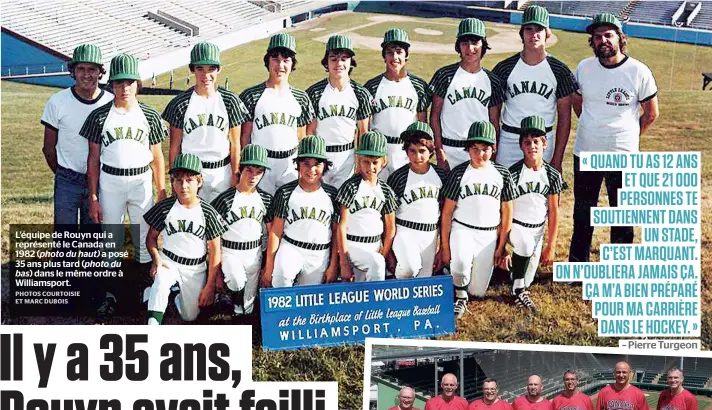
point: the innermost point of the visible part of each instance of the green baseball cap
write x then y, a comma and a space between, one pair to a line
471, 27
533, 125
254, 155
536, 15
373, 144
339, 42
283, 40
86, 53
482, 131
312, 146
187, 162
604, 19
396, 36
124, 67
205, 54
417, 129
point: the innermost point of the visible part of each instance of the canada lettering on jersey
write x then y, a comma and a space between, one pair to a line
469, 92
245, 212
429, 192
618, 404
276, 118
534, 188
187, 227
308, 212
526, 86
336, 110
479, 189
395, 101
208, 120
123, 133
367, 202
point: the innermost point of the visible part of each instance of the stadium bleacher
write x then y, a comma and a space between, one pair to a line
704, 17
654, 12
582, 8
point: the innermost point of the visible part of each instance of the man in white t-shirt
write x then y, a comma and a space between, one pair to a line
64, 149
612, 88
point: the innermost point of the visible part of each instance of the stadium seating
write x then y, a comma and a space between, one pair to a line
582, 8
698, 372
654, 12
704, 18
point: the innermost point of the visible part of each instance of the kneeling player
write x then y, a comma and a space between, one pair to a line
538, 185
417, 188
367, 214
301, 246
476, 216
245, 209
191, 227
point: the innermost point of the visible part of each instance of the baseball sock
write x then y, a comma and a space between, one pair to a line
519, 269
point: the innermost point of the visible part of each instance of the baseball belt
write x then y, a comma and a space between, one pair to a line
184, 261
306, 245
364, 239
394, 140
417, 225
216, 164
340, 148
479, 228
124, 172
526, 225
454, 143
241, 246
281, 154
515, 130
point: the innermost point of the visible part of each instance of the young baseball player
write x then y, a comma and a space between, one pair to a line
368, 221
399, 97
538, 185
191, 228
206, 121
342, 109
301, 247
278, 113
476, 216
417, 187
64, 149
245, 209
464, 92
536, 83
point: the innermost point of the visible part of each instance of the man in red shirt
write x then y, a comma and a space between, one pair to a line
490, 399
449, 400
572, 398
406, 397
621, 395
676, 397
533, 400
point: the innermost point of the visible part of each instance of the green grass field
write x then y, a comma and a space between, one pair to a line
563, 318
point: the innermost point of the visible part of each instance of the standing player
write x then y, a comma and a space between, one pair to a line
621, 395
278, 113
406, 397
535, 83
245, 209
476, 216
417, 187
612, 89
191, 231
676, 397
448, 400
538, 185
367, 223
342, 109
302, 244
533, 400
64, 150
572, 398
490, 398
205, 120
465, 92
399, 97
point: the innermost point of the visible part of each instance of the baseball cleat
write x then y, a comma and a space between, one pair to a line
461, 307
523, 300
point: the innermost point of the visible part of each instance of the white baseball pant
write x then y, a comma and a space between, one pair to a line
396, 159
342, 169
282, 171
295, 264
455, 155
215, 182
241, 269
367, 262
472, 258
190, 279
415, 252
528, 242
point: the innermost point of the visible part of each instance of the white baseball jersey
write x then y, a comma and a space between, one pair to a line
418, 196
307, 215
467, 97
206, 121
276, 115
367, 204
338, 111
65, 112
611, 101
246, 214
533, 190
479, 193
125, 137
396, 104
